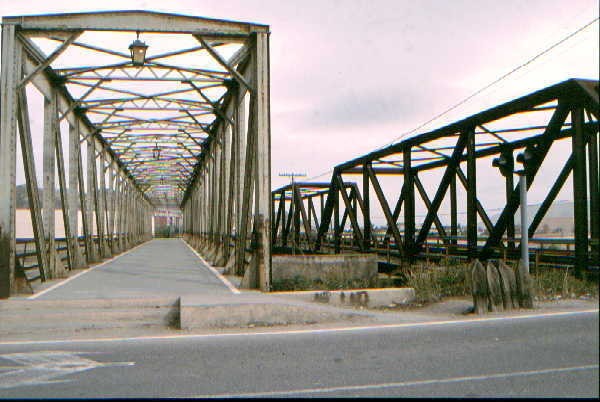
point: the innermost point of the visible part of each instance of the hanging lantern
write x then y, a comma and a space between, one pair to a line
156, 152
138, 51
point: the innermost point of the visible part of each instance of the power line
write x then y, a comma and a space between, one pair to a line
497, 80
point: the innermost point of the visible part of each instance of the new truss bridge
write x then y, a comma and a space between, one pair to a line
440, 167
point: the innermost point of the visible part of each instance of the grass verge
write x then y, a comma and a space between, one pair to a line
433, 283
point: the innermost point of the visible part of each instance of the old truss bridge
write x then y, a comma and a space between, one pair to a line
140, 110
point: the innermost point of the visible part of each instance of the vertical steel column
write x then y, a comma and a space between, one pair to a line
49, 167
124, 213
337, 231
409, 204
232, 176
74, 189
453, 212
100, 175
367, 208
594, 198
118, 211
91, 197
286, 220
524, 226
471, 195
355, 234
240, 146
84, 207
262, 123
64, 198
103, 209
296, 203
11, 73
510, 186
112, 185
580, 191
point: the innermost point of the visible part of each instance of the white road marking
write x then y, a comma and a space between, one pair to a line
403, 384
35, 296
43, 367
214, 271
303, 331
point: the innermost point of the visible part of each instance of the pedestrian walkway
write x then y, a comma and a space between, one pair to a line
158, 268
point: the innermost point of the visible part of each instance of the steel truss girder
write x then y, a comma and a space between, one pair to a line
577, 98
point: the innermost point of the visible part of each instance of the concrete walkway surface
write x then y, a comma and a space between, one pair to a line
158, 268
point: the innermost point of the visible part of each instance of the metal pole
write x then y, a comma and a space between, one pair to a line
524, 229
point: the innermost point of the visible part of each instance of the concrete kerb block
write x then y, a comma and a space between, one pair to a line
53, 316
242, 312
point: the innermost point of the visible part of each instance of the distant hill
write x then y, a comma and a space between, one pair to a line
23, 198
558, 220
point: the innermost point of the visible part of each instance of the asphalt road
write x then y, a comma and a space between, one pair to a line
536, 356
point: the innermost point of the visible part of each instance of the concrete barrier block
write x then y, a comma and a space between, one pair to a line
341, 267
240, 312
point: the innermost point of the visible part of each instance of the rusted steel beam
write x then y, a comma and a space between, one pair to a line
580, 190
391, 221
447, 177
427, 202
350, 211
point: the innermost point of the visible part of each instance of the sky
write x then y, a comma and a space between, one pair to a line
349, 76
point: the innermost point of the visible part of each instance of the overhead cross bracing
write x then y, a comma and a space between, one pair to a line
170, 103
160, 127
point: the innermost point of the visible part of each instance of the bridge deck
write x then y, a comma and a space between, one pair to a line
158, 268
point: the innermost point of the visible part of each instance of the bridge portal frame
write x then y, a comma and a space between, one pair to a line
123, 217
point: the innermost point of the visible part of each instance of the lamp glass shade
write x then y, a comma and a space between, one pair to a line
138, 52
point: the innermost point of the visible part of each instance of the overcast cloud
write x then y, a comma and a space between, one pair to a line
349, 75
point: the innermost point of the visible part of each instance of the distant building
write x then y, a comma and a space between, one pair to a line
167, 222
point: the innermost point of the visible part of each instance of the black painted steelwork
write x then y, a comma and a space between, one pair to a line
566, 110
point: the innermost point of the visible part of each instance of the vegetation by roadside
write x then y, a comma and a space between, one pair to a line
433, 283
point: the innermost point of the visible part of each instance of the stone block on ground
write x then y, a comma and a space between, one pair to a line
495, 302
509, 286
524, 286
479, 287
